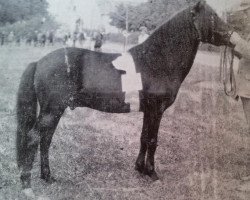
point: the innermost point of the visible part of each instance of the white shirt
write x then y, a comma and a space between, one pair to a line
142, 38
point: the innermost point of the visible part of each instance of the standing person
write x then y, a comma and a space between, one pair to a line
75, 34
35, 38
143, 35
81, 39
65, 39
69, 40
51, 38
28, 39
242, 49
11, 37
2, 38
98, 41
43, 39
18, 40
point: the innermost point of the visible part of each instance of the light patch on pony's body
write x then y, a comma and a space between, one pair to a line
131, 81
38, 108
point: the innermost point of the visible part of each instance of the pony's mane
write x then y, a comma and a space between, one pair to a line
183, 14
176, 23
177, 34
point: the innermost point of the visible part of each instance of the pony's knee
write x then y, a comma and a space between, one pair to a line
33, 138
47, 121
168, 101
144, 138
171, 99
152, 142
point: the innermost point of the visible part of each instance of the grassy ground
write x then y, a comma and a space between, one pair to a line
203, 151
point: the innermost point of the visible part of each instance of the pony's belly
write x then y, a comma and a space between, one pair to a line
119, 102
106, 102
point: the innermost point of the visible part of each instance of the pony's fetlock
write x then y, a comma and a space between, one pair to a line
139, 166
26, 180
48, 179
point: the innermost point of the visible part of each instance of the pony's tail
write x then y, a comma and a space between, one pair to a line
26, 111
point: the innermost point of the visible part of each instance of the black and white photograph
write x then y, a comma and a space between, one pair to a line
125, 99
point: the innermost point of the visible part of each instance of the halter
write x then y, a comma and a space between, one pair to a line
199, 31
224, 59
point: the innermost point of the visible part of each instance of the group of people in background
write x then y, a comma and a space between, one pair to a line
41, 39
8, 38
35, 38
77, 39
90, 40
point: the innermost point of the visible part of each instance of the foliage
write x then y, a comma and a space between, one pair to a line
119, 37
12, 11
150, 14
239, 20
27, 28
24, 17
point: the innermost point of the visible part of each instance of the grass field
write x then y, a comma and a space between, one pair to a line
204, 147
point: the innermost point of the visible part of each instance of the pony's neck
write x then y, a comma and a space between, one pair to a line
173, 39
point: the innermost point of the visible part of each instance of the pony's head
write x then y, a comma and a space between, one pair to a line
209, 26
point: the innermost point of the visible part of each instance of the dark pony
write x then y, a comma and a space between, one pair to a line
88, 79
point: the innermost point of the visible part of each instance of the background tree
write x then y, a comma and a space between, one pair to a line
150, 14
24, 17
240, 21
12, 11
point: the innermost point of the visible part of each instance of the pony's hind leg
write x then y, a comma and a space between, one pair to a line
49, 124
41, 132
32, 140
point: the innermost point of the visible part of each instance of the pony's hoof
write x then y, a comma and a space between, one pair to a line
43, 198
49, 179
152, 174
139, 167
28, 193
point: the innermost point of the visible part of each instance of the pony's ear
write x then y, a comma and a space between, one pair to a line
198, 7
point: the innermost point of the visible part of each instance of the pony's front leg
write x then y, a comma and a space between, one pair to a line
140, 161
154, 119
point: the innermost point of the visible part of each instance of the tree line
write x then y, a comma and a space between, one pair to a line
25, 17
153, 13
12, 11
150, 14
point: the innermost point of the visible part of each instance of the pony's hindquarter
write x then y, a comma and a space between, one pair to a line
26, 111
33, 130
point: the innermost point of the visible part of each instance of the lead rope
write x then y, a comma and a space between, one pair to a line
231, 79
